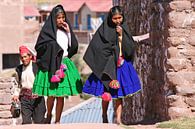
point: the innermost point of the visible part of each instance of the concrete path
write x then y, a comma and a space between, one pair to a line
64, 126
154, 126
80, 126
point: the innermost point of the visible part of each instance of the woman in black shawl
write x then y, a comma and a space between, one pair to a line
57, 75
110, 55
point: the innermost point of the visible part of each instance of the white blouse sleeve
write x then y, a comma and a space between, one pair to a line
69, 39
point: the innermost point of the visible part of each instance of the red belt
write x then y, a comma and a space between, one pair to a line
120, 61
27, 93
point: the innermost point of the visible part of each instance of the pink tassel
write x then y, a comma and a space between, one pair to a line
55, 78
60, 73
106, 96
63, 67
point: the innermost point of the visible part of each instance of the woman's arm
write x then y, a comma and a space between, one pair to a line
141, 37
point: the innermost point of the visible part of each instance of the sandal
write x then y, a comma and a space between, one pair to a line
48, 120
105, 119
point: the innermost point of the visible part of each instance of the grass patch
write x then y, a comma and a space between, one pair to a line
183, 123
126, 127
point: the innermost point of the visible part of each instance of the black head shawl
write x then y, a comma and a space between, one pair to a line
103, 51
49, 53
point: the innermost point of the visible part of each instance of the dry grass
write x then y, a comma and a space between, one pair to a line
183, 123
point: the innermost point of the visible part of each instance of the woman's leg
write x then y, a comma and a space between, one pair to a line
50, 104
59, 108
118, 110
104, 111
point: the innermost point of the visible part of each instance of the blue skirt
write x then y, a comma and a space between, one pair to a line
127, 77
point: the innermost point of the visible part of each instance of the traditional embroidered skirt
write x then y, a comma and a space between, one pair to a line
127, 77
70, 85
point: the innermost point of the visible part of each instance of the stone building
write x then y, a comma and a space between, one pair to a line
16, 30
165, 62
11, 34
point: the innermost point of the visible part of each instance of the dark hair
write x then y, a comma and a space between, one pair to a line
116, 10
113, 11
58, 10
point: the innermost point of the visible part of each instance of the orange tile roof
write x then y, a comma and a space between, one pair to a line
31, 11
94, 5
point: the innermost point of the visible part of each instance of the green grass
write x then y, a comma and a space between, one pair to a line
126, 126
183, 123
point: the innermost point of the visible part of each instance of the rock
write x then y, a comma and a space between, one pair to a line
177, 64
190, 101
5, 114
180, 5
176, 101
177, 112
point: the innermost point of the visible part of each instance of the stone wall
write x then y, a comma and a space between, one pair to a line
180, 63
6, 90
165, 62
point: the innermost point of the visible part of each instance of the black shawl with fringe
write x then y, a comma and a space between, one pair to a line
103, 51
49, 53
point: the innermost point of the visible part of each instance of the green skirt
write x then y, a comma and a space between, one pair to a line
70, 85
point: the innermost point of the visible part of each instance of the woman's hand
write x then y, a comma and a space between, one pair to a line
15, 98
119, 30
65, 26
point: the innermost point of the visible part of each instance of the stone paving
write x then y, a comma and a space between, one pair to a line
81, 126
64, 126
